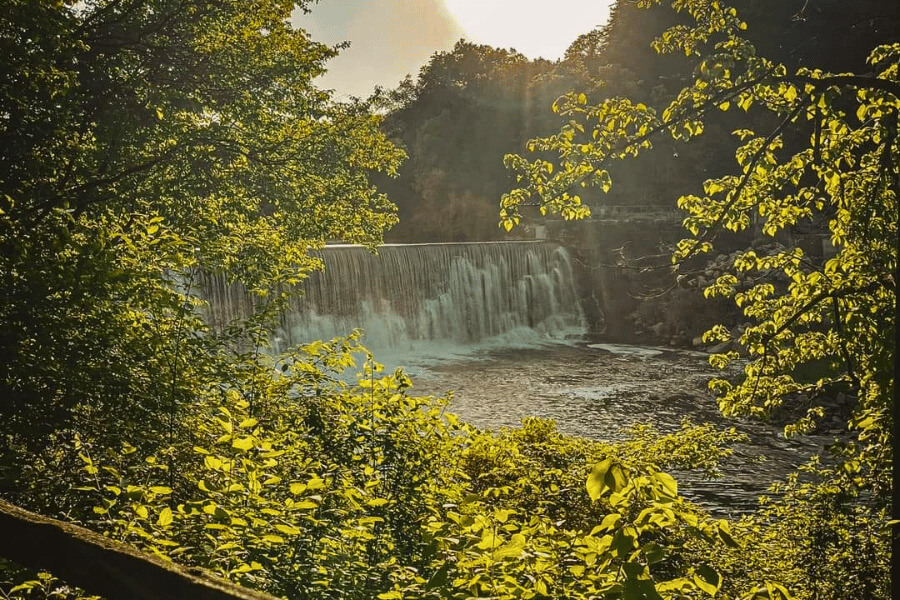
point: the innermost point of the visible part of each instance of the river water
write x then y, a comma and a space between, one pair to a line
499, 324
598, 390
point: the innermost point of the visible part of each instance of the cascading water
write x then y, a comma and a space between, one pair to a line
410, 294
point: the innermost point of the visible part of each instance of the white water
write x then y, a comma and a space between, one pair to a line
420, 300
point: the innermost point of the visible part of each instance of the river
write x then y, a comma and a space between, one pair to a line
598, 390
500, 325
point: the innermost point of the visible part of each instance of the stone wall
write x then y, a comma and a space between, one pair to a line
628, 288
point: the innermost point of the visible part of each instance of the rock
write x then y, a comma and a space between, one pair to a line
720, 348
678, 340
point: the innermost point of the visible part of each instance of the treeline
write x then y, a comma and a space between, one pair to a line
470, 106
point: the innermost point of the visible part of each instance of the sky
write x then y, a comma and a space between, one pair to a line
392, 38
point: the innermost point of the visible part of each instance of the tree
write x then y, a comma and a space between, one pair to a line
146, 145
467, 108
828, 161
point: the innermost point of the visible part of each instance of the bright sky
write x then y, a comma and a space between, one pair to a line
390, 38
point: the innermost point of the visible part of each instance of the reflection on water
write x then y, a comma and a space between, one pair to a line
598, 390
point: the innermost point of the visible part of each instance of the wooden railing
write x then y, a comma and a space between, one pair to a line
103, 566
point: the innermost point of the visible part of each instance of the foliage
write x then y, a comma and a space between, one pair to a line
818, 538
145, 151
304, 497
827, 166
149, 152
467, 108
142, 144
327, 489
845, 175
473, 103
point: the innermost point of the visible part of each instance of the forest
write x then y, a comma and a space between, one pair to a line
149, 144
469, 107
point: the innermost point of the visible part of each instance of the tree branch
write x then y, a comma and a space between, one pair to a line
736, 195
854, 81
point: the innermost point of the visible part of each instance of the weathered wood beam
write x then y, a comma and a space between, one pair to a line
103, 566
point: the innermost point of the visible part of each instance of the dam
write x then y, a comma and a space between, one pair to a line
412, 296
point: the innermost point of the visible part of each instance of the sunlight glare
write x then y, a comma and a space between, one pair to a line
536, 28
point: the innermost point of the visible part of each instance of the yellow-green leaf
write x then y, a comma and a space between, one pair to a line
596, 482
243, 444
670, 486
165, 517
288, 529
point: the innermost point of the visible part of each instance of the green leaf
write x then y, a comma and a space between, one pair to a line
654, 552
489, 540
514, 549
668, 483
244, 444
315, 484
275, 539
596, 482
640, 589
440, 578
609, 522
623, 543
165, 517
616, 478
724, 532
288, 529
707, 579
28, 585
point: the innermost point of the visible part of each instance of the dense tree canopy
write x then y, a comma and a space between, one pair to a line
471, 103
467, 107
144, 142
847, 164
147, 146
819, 152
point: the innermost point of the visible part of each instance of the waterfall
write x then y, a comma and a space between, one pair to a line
455, 294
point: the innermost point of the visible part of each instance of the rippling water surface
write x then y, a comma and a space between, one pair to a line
597, 390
